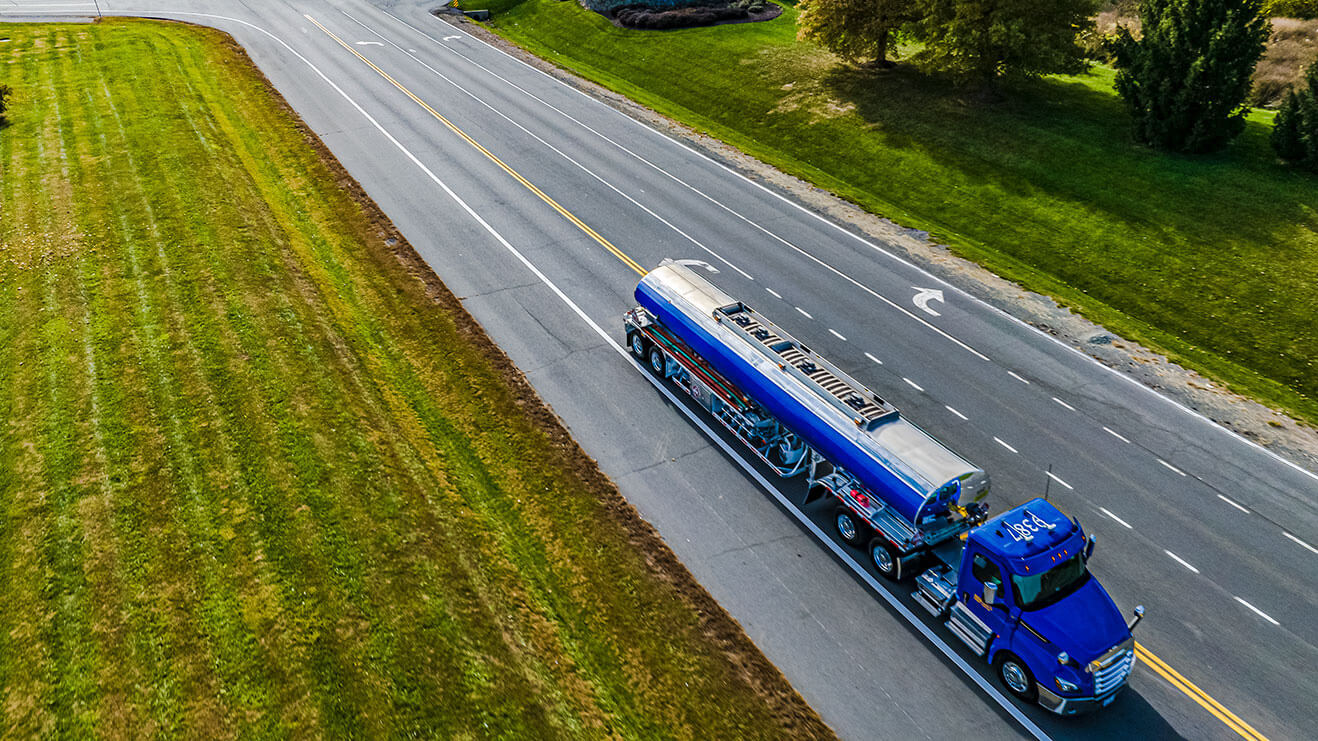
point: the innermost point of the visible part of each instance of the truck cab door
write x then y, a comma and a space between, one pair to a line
995, 614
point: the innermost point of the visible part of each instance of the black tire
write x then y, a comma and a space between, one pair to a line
845, 521
657, 362
1016, 676
884, 559
636, 344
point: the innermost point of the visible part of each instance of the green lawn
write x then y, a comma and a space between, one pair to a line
261, 476
1213, 260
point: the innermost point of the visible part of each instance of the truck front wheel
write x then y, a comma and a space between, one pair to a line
884, 560
1016, 676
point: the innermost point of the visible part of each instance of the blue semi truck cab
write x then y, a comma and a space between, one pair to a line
1018, 592
1015, 587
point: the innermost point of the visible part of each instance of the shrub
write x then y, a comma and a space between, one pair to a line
644, 17
1295, 131
5, 92
1291, 8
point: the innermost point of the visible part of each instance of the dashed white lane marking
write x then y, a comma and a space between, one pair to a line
959, 414
1257, 611
1003, 443
1018, 378
1059, 401
1301, 542
826, 221
1116, 435
871, 357
774, 293
1120, 521
1170, 467
1180, 560
914, 385
804, 313
1237, 505
835, 333
1054, 477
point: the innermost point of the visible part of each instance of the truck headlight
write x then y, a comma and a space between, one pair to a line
1066, 686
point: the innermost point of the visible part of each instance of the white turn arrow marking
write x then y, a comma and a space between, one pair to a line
451, 38
369, 43
926, 295
690, 264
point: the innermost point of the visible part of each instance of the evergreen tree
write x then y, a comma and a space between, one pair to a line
988, 39
1295, 131
853, 29
1185, 82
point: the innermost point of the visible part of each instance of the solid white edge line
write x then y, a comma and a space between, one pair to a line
1170, 467
838, 552
1180, 560
876, 360
1120, 521
1056, 478
1235, 504
1014, 375
835, 333
959, 414
1115, 434
863, 240
1004, 444
913, 384
1301, 542
1059, 401
1257, 611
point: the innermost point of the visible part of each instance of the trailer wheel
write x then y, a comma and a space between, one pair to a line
1016, 676
657, 362
849, 527
884, 560
637, 344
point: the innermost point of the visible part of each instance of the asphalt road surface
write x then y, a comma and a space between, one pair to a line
535, 204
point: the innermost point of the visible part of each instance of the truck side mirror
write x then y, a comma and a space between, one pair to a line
1139, 615
990, 594
1089, 546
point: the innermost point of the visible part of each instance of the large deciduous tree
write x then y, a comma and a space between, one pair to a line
856, 30
987, 39
1185, 81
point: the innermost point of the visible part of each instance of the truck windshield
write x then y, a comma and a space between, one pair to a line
1040, 590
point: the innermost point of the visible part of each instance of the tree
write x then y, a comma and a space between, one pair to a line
1185, 82
988, 39
1295, 130
854, 29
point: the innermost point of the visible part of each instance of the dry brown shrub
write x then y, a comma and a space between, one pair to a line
1292, 47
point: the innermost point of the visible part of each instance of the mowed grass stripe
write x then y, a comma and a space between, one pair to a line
297, 491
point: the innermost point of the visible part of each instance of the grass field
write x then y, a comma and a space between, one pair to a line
1213, 260
259, 473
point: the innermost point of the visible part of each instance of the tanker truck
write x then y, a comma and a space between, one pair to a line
1015, 588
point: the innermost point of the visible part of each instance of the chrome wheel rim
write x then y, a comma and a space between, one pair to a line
1014, 675
638, 347
846, 527
657, 361
882, 558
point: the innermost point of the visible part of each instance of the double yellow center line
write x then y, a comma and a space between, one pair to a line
1231, 720
583, 226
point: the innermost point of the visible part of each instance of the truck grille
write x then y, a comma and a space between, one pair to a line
1114, 674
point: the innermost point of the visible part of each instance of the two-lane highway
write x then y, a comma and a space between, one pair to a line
538, 204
